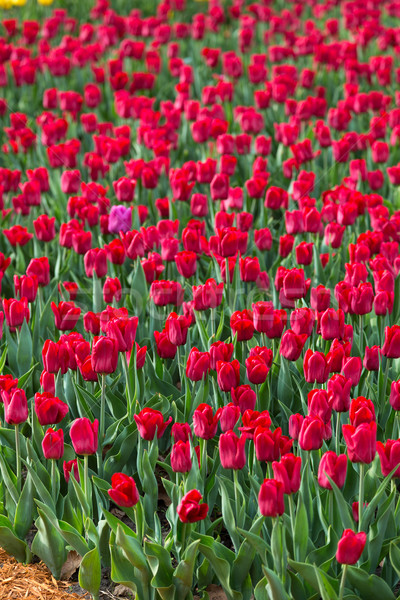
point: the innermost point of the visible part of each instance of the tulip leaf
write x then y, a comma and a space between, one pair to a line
346, 522
12, 349
134, 552
90, 573
14, 546
3, 359
276, 588
9, 478
308, 573
49, 545
260, 591
25, 378
73, 538
325, 589
220, 558
377, 531
24, 511
41, 489
123, 573
227, 514
114, 523
245, 556
24, 351
183, 574
369, 511
369, 586
394, 554
160, 564
301, 532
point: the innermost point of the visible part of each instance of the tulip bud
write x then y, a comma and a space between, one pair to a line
361, 442
288, 472
335, 467
53, 444
190, 510
270, 498
232, 450
123, 490
350, 547
83, 436
15, 406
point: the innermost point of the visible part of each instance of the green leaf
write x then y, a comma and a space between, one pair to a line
301, 532
49, 545
369, 511
276, 588
24, 511
227, 514
11, 352
24, 351
370, 587
8, 478
343, 506
73, 538
325, 589
160, 564
14, 546
394, 554
134, 552
183, 574
220, 559
90, 573
308, 573
245, 557
123, 573
41, 489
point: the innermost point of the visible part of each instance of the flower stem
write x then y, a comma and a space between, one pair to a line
18, 458
86, 476
102, 426
292, 521
342, 581
53, 482
338, 433
361, 337
361, 495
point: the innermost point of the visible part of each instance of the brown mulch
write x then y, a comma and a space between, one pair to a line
31, 582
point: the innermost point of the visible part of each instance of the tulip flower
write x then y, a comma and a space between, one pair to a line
49, 409
292, 345
53, 444
270, 498
83, 435
198, 365
350, 547
228, 374
288, 472
232, 450
149, 422
190, 510
123, 490
335, 467
361, 442
229, 416
389, 454
205, 423
391, 346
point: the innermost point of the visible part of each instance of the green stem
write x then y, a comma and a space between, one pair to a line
361, 337
338, 433
53, 482
292, 521
102, 426
86, 476
330, 506
18, 458
342, 581
203, 459
361, 495
128, 387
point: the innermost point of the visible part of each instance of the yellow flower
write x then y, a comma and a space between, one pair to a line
18, 2
6, 4
45, 2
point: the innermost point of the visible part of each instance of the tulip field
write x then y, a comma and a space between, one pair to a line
200, 295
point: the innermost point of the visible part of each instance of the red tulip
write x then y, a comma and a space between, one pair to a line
149, 422
53, 444
335, 467
190, 510
49, 409
104, 357
123, 490
270, 498
232, 450
205, 423
66, 315
288, 472
15, 406
228, 375
350, 547
361, 442
198, 365
389, 454
83, 435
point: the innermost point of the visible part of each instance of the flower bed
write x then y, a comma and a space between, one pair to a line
200, 295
